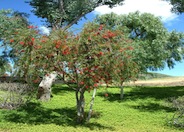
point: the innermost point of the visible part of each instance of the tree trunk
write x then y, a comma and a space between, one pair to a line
121, 91
91, 105
44, 89
80, 106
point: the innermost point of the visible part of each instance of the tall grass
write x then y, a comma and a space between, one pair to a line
143, 109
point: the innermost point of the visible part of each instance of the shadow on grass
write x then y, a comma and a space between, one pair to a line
152, 107
143, 93
35, 114
159, 93
60, 88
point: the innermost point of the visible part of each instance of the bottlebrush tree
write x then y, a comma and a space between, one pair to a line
94, 56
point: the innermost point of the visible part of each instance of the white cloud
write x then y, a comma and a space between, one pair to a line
44, 30
157, 7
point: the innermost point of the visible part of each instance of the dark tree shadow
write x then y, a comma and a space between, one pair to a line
141, 93
35, 114
146, 92
152, 107
58, 88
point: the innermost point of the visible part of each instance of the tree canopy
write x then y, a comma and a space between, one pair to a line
158, 46
178, 6
9, 22
65, 13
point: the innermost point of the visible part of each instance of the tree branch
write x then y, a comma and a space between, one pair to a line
81, 15
75, 20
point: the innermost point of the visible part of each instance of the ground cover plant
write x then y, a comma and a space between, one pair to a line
142, 109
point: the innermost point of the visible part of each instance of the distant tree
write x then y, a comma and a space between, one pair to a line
151, 35
158, 47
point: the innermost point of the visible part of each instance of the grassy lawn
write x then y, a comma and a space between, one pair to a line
142, 110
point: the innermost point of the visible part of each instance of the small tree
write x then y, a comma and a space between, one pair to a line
63, 14
94, 56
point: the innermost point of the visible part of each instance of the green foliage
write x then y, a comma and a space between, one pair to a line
10, 22
14, 95
61, 13
178, 117
178, 6
158, 46
143, 109
94, 55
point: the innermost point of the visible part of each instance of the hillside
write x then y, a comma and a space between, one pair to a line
159, 81
152, 75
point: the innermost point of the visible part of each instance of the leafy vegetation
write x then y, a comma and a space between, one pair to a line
143, 109
13, 95
178, 6
178, 117
65, 13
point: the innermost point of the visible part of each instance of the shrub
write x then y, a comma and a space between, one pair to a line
12, 95
178, 117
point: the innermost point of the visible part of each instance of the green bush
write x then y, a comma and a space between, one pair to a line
12, 95
178, 117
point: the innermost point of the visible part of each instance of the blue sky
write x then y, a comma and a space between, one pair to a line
156, 7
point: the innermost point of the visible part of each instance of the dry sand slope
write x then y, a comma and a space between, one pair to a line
171, 81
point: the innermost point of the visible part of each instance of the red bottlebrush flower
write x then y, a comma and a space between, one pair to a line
38, 47
96, 67
97, 33
121, 49
57, 46
100, 53
30, 43
43, 40
82, 83
21, 42
47, 74
87, 87
36, 80
105, 36
58, 42
130, 48
11, 40
95, 85
89, 38
106, 95
66, 51
111, 34
31, 26
66, 36
32, 39
101, 27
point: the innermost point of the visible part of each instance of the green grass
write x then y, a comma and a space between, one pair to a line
143, 109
